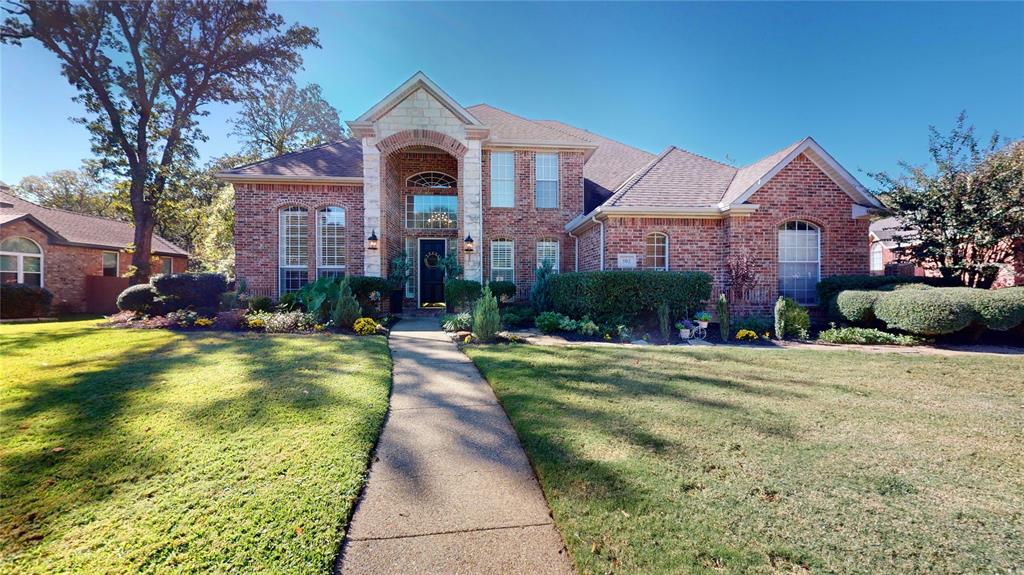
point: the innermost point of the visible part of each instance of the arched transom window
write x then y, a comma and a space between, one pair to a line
21, 261
799, 260
430, 180
656, 251
293, 238
330, 233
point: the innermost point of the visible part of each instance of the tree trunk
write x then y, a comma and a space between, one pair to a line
142, 214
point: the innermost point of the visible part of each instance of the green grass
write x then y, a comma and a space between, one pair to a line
732, 460
148, 451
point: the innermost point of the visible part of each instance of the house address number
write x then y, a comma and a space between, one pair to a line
626, 261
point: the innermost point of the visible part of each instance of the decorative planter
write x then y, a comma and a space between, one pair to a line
684, 333
703, 324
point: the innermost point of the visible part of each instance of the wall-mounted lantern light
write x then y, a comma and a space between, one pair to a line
371, 242
470, 245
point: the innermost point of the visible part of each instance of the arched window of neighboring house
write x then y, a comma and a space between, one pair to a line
430, 180
330, 234
21, 261
877, 259
799, 260
293, 242
656, 251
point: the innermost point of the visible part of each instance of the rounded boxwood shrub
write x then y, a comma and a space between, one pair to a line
200, 292
22, 300
460, 293
925, 312
856, 306
1001, 309
830, 287
625, 296
504, 291
141, 298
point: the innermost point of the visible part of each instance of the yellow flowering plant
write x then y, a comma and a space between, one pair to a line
746, 335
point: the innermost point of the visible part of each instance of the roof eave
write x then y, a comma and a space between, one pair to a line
279, 179
710, 212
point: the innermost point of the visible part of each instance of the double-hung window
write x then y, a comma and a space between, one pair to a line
503, 182
166, 265
546, 195
799, 261
293, 229
330, 237
547, 252
110, 264
502, 261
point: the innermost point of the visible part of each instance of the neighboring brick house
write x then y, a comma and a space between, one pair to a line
425, 176
888, 237
78, 258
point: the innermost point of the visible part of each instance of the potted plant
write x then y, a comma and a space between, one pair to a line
685, 328
398, 275
702, 318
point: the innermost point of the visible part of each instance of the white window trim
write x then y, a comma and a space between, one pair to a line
667, 252
557, 180
779, 262
411, 249
512, 157
875, 248
455, 181
21, 261
557, 267
280, 247
320, 266
117, 263
512, 259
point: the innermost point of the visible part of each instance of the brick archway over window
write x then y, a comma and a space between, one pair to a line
407, 138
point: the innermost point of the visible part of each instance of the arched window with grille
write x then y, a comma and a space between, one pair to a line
430, 180
293, 255
877, 259
656, 251
330, 237
21, 261
799, 260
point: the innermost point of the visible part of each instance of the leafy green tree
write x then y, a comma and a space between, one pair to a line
276, 120
72, 190
962, 213
145, 71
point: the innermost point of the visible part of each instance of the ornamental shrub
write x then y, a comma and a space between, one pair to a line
504, 291
549, 321
457, 322
866, 336
664, 321
141, 299
540, 291
830, 287
856, 306
486, 319
368, 290
261, 303
459, 294
200, 292
517, 316
346, 309
626, 296
722, 309
1001, 309
756, 323
925, 312
780, 318
23, 300
365, 326
791, 319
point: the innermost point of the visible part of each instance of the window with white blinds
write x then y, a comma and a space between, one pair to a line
502, 261
503, 180
546, 195
547, 251
330, 233
293, 238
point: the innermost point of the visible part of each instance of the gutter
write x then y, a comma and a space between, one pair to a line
710, 212
275, 179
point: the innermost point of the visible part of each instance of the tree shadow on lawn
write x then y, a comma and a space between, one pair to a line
79, 412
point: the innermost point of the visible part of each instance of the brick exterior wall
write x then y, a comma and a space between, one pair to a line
256, 228
525, 224
66, 267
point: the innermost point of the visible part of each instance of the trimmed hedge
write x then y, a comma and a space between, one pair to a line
200, 292
924, 312
504, 291
23, 300
857, 306
141, 298
628, 295
460, 293
1001, 309
829, 288
363, 287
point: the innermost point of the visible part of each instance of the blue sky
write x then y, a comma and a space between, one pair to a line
728, 81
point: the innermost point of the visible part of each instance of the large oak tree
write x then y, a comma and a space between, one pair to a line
279, 119
144, 71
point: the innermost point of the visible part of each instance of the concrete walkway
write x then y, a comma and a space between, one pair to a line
450, 489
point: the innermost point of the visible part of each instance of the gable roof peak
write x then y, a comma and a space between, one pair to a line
417, 81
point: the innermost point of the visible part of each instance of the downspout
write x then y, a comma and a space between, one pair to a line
576, 253
601, 247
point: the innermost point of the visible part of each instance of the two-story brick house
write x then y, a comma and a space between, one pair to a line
428, 177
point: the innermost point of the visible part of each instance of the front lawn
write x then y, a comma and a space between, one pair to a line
731, 460
151, 451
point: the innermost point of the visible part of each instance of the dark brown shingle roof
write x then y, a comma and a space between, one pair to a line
81, 229
341, 159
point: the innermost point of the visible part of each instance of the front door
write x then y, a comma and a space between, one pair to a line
431, 272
